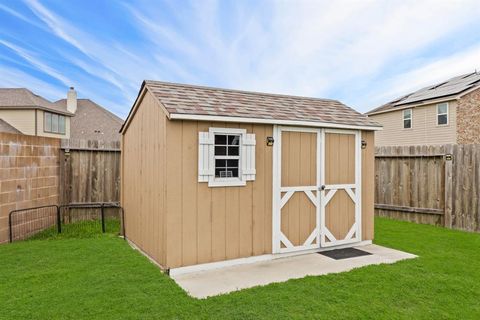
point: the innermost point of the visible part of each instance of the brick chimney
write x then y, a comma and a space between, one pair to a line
72, 100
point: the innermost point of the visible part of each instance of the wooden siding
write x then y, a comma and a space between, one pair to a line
207, 224
424, 127
144, 179
178, 221
299, 168
339, 158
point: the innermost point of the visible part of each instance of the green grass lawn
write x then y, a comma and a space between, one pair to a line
102, 278
83, 229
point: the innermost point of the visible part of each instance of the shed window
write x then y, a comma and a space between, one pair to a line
226, 157
54, 123
407, 119
442, 113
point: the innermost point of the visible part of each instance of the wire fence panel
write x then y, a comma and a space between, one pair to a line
73, 220
85, 219
24, 223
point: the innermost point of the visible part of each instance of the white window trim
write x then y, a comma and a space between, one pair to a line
411, 119
447, 114
59, 116
229, 182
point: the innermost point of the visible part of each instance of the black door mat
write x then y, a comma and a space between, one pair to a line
346, 253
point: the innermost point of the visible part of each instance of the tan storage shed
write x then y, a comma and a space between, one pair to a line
214, 177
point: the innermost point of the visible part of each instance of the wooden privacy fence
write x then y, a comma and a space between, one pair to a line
89, 171
38, 171
437, 185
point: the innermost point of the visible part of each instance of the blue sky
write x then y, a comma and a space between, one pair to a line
360, 52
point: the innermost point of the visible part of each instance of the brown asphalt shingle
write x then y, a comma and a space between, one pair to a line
199, 100
93, 122
21, 98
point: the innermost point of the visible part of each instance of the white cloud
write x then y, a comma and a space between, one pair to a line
439, 70
14, 78
37, 63
358, 51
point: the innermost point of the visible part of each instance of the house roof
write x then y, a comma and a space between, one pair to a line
199, 102
450, 88
7, 127
93, 122
22, 98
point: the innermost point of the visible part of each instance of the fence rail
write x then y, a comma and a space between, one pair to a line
437, 185
71, 218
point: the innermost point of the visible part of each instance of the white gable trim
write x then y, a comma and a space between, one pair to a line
179, 116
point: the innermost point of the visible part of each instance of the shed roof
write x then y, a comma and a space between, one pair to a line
93, 122
22, 98
450, 88
190, 101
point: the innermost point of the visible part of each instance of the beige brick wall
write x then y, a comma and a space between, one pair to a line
468, 118
29, 174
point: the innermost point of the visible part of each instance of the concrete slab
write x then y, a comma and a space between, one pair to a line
203, 284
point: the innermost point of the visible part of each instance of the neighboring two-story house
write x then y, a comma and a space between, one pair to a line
22, 111
447, 112
28, 113
93, 122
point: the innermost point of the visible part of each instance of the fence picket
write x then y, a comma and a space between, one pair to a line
418, 184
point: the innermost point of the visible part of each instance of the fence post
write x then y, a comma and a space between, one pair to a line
59, 220
103, 218
10, 232
123, 223
448, 185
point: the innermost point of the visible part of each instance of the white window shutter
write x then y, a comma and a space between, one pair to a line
248, 157
206, 166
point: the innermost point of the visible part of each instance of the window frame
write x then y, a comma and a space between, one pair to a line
59, 117
404, 119
231, 181
447, 113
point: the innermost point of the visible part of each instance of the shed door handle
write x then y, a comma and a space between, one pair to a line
322, 187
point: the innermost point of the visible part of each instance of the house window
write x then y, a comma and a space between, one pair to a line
54, 123
407, 119
442, 114
226, 157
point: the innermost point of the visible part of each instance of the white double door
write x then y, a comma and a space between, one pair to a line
316, 188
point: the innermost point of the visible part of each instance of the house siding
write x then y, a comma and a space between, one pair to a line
468, 118
22, 120
424, 127
40, 126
